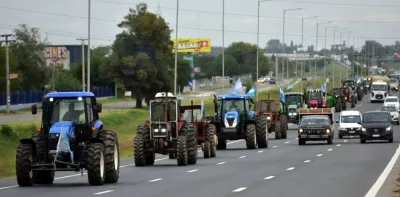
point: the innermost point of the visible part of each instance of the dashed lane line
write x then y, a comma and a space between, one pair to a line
319, 155
220, 163
269, 177
338, 145
103, 192
155, 180
241, 157
287, 142
239, 189
344, 140
291, 168
260, 151
307, 161
275, 147
329, 149
193, 170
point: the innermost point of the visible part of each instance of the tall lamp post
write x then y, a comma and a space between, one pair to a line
326, 49
334, 44
283, 42
316, 49
258, 41
302, 39
223, 44
176, 47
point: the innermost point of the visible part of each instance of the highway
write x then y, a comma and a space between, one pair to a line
346, 169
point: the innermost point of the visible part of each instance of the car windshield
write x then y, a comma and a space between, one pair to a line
394, 81
350, 119
67, 109
294, 100
314, 120
388, 108
187, 115
376, 117
233, 105
392, 100
158, 112
379, 87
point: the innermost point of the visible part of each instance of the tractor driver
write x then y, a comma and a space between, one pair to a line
72, 114
233, 105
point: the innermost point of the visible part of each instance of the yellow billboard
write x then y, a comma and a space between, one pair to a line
193, 45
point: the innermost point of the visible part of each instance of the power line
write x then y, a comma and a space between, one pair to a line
189, 10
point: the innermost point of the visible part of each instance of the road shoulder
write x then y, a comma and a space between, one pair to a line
391, 184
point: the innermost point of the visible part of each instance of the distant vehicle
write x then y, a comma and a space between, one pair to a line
376, 125
379, 91
394, 84
394, 114
304, 79
261, 80
267, 78
315, 128
349, 123
272, 81
392, 101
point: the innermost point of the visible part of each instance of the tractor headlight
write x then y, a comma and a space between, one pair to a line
328, 131
301, 130
160, 130
163, 130
269, 118
156, 130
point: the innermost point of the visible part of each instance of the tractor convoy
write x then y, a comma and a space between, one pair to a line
72, 137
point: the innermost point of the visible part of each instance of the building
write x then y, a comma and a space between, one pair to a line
64, 55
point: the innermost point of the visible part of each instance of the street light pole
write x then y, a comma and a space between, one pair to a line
326, 54
334, 44
176, 47
302, 43
316, 49
88, 61
223, 45
283, 43
7, 41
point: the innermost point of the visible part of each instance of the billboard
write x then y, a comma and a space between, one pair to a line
193, 45
58, 55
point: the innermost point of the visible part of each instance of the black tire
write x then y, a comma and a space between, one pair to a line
363, 141
391, 139
251, 142
181, 151
340, 136
138, 150
221, 143
330, 140
191, 136
210, 135
23, 165
262, 139
41, 177
302, 142
338, 107
284, 126
278, 130
206, 149
171, 155
95, 160
111, 155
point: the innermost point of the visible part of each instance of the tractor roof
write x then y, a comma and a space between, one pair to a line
69, 94
233, 97
293, 93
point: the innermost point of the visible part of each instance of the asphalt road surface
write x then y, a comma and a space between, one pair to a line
346, 169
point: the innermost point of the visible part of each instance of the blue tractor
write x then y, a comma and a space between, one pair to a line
234, 120
71, 138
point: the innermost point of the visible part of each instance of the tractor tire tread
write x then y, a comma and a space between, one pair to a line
181, 151
261, 132
190, 132
23, 165
110, 139
250, 133
210, 135
93, 163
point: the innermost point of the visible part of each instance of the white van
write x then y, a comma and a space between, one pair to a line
349, 123
394, 84
379, 91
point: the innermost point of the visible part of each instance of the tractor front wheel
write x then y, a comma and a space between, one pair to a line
210, 135
206, 149
284, 126
96, 164
23, 165
111, 155
278, 130
191, 137
181, 151
251, 142
262, 139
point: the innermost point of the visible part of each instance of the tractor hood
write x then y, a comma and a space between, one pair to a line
231, 119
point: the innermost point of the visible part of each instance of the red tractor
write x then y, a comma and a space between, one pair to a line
350, 96
206, 137
275, 116
165, 133
315, 99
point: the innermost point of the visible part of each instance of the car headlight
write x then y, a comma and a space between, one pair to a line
301, 130
389, 128
363, 129
328, 131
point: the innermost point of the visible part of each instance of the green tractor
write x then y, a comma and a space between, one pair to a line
337, 99
359, 92
294, 101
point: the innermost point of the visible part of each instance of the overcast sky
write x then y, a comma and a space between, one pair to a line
64, 21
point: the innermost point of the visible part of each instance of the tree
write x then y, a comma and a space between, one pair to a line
29, 53
15, 84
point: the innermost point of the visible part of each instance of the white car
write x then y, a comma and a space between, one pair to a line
349, 123
392, 100
393, 113
261, 80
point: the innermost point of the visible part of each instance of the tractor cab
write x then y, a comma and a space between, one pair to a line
234, 109
294, 101
349, 83
269, 108
193, 114
315, 99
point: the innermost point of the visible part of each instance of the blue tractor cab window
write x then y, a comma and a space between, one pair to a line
67, 109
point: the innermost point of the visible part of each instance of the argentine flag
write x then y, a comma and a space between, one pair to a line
63, 143
252, 91
282, 94
323, 87
237, 88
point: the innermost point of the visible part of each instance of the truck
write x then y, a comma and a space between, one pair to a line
71, 138
321, 111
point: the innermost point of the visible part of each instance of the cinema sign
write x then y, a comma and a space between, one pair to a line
58, 56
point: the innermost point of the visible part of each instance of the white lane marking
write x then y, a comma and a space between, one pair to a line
242, 157
319, 155
69, 176
307, 161
193, 170
155, 180
104, 192
287, 142
239, 189
338, 145
8, 187
275, 147
124, 166
329, 149
220, 163
378, 184
344, 140
234, 141
291, 168
269, 177
260, 151
297, 138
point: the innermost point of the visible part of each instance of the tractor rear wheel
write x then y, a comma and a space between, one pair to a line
23, 165
139, 147
278, 130
262, 139
96, 164
210, 135
181, 151
191, 136
206, 149
111, 155
251, 139
284, 126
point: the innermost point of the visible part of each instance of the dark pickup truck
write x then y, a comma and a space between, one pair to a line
315, 128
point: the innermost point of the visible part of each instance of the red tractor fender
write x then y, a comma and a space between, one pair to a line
180, 125
314, 104
324, 102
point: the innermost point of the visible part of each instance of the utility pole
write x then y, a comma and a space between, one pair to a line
302, 43
176, 47
88, 61
223, 45
7, 41
83, 62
